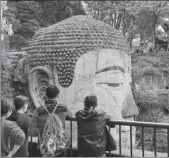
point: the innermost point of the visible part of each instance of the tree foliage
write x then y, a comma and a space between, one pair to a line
6, 26
28, 16
54, 11
131, 17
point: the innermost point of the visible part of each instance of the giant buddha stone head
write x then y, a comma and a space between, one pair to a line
84, 56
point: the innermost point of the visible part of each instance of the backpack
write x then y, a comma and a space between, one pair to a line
54, 138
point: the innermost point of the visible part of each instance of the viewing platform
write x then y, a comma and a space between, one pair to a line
120, 152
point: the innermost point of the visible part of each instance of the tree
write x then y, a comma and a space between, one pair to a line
131, 17
29, 16
6, 26
148, 17
25, 19
119, 14
55, 11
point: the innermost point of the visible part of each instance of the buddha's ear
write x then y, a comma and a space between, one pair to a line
129, 106
40, 78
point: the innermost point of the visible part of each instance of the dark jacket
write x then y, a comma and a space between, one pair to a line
40, 115
23, 121
91, 132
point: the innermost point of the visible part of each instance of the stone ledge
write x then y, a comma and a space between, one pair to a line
137, 153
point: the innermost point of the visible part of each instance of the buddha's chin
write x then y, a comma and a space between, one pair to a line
125, 135
127, 128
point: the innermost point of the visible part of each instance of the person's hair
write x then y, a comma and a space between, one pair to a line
52, 92
90, 101
19, 101
6, 106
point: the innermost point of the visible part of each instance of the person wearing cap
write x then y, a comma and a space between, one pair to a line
40, 114
91, 123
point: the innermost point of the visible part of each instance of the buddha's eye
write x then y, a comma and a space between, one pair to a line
114, 84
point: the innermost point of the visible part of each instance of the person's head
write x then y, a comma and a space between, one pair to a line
6, 107
21, 103
52, 92
90, 101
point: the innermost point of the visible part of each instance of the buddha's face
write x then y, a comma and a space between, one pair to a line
106, 74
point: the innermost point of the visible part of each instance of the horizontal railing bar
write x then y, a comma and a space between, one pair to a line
134, 123
139, 123
71, 119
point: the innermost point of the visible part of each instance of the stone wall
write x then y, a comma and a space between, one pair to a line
9, 88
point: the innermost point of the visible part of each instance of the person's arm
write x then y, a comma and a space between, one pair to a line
108, 118
69, 114
18, 136
33, 129
27, 123
14, 150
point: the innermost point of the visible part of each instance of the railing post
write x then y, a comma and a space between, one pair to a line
155, 147
71, 137
119, 140
142, 131
131, 142
31, 143
109, 150
168, 141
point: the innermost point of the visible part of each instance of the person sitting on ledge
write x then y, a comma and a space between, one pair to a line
92, 130
9, 131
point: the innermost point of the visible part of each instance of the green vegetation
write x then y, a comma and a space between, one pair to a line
27, 17
132, 17
151, 110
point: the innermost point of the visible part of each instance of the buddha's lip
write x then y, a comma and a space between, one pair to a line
122, 130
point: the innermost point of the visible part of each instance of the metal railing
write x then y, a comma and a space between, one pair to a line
155, 126
143, 125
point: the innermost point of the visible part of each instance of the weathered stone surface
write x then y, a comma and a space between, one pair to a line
64, 42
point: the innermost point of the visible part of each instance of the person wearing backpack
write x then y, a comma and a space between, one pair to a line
93, 136
48, 123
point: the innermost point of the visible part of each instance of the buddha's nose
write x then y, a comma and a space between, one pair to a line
130, 108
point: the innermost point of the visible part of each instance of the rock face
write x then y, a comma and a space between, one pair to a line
9, 62
151, 79
6, 77
11, 84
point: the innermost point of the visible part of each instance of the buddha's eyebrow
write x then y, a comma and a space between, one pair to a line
111, 68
